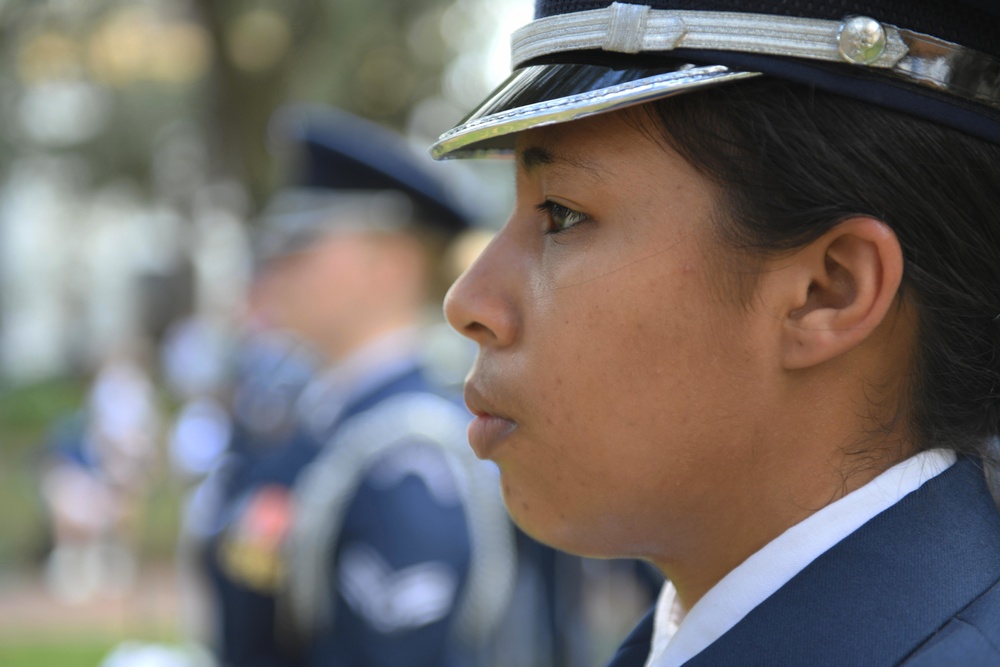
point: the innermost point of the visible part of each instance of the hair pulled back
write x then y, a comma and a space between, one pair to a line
793, 162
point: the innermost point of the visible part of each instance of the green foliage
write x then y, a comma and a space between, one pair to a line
23, 526
27, 411
45, 651
160, 516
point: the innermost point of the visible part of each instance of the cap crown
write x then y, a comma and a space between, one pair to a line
972, 23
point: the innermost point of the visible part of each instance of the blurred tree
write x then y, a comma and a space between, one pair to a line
139, 125
142, 65
377, 58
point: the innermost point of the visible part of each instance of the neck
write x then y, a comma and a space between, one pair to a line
813, 436
800, 469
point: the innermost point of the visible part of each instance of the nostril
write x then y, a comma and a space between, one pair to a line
475, 330
455, 314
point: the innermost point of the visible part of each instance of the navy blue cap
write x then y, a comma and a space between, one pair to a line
334, 151
935, 60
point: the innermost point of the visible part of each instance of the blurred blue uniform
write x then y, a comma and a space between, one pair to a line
401, 552
242, 513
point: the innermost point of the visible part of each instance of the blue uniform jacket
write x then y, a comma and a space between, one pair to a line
916, 586
248, 615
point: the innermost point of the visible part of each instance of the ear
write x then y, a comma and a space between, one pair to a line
837, 290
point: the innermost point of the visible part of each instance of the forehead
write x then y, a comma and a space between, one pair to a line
626, 149
592, 144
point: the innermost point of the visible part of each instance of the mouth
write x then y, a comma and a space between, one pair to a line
489, 428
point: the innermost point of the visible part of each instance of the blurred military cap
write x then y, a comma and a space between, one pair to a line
350, 172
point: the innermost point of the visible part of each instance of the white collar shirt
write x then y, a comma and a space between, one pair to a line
678, 637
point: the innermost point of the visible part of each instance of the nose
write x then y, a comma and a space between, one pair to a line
481, 305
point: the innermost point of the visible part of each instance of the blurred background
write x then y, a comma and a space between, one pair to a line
134, 157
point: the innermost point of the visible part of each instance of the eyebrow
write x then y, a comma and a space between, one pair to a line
535, 156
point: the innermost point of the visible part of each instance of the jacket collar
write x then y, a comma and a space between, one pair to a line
929, 555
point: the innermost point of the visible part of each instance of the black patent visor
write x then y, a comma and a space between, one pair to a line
547, 94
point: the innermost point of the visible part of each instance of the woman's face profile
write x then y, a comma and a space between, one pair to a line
617, 384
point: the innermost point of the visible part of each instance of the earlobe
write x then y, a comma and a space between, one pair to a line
841, 289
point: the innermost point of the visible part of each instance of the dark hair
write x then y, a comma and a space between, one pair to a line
793, 162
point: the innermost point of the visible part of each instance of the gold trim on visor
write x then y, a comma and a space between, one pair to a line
486, 132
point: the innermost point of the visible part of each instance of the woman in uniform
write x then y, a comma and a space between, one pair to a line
744, 319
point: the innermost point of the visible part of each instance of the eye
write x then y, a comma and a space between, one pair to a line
559, 217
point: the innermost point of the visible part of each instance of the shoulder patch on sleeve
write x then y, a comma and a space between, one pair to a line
395, 600
324, 491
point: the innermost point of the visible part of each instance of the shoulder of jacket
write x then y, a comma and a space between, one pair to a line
971, 637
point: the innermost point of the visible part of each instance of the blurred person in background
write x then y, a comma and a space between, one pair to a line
371, 536
94, 479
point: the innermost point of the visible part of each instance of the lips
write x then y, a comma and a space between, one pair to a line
489, 429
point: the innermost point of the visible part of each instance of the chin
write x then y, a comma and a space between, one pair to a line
535, 519
573, 534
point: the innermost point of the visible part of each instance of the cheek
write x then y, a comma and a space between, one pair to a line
610, 386
335, 285
625, 347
